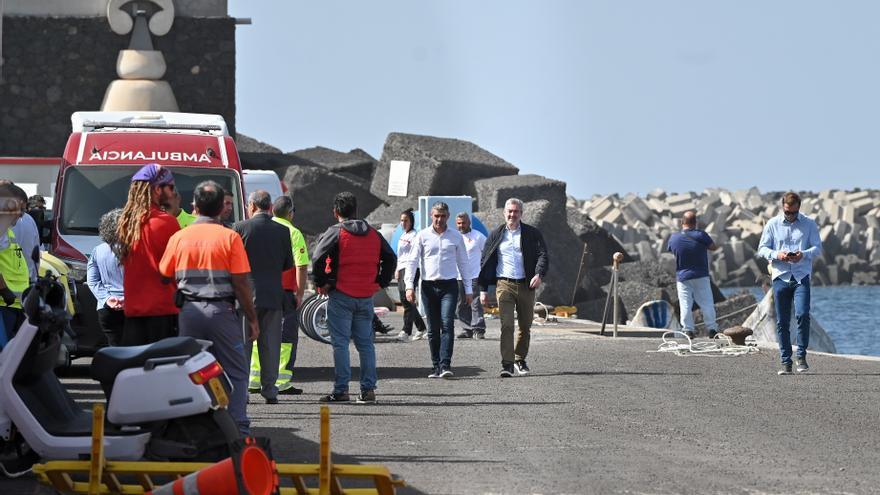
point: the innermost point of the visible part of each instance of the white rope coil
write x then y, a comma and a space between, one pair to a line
680, 344
547, 319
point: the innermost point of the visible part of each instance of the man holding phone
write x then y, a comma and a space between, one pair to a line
791, 241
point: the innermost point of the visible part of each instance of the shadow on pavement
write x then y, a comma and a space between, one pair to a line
303, 375
615, 373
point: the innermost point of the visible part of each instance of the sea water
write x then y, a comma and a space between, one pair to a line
849, 314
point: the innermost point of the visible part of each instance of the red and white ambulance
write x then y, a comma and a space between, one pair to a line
103, 152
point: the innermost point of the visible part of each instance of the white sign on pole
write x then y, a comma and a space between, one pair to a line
398, 178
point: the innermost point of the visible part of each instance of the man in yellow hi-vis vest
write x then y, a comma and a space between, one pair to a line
14, 275
293, 282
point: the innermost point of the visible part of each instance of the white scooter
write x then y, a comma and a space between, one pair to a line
165, 401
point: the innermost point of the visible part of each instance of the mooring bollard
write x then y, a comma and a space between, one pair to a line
617, 258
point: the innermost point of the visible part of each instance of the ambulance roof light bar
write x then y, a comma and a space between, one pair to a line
145, 125
90, 121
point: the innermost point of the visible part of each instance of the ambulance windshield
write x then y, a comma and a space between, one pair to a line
90, 191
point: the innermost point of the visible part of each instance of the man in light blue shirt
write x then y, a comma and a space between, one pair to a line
791, 242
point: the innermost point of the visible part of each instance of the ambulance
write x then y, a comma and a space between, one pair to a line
102, 153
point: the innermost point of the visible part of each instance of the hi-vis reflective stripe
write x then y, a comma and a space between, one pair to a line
189, 484
82, 147
221, 143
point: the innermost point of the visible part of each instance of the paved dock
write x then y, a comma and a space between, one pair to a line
598, 415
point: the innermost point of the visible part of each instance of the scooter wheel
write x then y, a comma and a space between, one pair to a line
205, 437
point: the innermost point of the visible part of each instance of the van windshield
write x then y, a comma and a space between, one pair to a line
90, 191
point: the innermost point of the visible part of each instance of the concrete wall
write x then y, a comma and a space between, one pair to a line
57, 65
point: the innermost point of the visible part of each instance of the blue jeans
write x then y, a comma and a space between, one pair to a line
699, 290
783, 294
10, 319
440, 298
351, 318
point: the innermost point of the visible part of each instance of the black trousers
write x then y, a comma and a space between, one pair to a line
410, 312
142, 330
112, 323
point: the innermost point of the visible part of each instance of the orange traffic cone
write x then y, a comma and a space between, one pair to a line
248, 472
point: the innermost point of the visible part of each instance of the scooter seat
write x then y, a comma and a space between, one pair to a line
110, 361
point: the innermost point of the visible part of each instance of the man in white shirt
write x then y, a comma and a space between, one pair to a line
515, 261
470, 314
442, 255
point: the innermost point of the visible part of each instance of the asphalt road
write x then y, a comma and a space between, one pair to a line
596, 416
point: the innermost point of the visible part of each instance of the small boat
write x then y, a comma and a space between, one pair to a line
762, 321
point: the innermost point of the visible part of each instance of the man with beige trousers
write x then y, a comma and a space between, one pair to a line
515, 260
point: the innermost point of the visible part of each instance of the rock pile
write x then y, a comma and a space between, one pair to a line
581, 235
440, 166
849, 224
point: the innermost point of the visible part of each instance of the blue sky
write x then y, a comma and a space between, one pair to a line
610, 96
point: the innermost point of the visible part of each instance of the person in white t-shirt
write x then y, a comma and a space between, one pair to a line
471, 315
405, 253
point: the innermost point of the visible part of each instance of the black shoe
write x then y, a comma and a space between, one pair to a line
801, 365
712, 334
334, 397
379, 327
271, 400
507, 371
785, 369
435, 373
367, 397
465, 334
445, 373
691, 335
479, 335
521, 367
291, 391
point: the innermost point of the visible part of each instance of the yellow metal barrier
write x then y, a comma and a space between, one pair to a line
98, 476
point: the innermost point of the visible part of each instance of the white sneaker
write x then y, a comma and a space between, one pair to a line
403, 336
419, 334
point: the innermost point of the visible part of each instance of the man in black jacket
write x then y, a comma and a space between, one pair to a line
515, 261
270, 253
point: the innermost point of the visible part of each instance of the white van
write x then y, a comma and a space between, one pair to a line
266, 180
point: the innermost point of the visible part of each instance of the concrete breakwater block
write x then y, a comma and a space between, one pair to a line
595, 308
390, 213
493, 192
563, 246
357, 163
600, 244
309, 185
731, 312
438, 166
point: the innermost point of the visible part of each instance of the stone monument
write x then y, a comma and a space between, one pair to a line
140, 68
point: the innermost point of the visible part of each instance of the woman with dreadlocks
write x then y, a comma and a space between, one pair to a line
142, 234
105, 279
